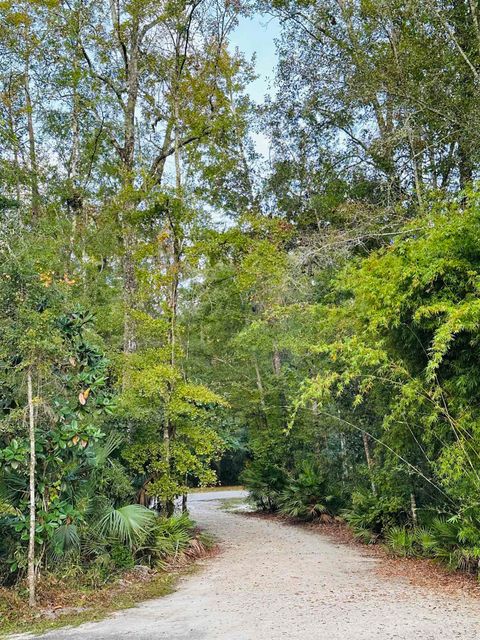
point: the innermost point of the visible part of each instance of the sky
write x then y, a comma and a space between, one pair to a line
255, 37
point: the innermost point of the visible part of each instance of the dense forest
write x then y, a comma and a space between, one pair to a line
177, 310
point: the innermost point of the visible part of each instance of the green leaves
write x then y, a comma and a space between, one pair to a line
126, 524
15, 455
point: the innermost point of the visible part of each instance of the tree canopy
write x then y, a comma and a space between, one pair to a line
178, 311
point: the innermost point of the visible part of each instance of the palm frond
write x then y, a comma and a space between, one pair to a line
127, 524
103, 451
65, 539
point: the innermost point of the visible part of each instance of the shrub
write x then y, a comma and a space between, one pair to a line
168, 539
370, 516
455, 542
122, 557
402, 541
307, 496
265, 482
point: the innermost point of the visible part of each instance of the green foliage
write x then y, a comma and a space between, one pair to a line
126, 524
265, 483
122, 557
451, 541
402, 541
314, 318
306, 495
374, 514
168, 539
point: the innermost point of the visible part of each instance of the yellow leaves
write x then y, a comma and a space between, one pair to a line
18, 18
48, 277
163, 236
83, 396
67, 280
76, 440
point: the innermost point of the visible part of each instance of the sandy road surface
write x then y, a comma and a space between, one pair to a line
273, 581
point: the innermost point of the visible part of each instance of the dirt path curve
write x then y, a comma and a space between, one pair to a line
274, 581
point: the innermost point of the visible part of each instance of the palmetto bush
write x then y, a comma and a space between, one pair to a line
307, 495
265, 483
454, 542
370, 516
86, 530
402, 541
167, 539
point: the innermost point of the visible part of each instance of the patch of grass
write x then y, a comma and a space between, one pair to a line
86, 605
212, 489
234, 504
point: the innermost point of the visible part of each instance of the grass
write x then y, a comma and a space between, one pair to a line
212, 489
87, 605
233, 504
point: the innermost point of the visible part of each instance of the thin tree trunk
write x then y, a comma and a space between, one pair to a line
261, 391
475, 19
169, 428
343, 450
13, 136
31, 538
129, 289
277, 370
74, 152
75, 202
277, 362
253, 202
32, 145
368, 456
465, 164
413, 507
417, 170
127, 156
178, 173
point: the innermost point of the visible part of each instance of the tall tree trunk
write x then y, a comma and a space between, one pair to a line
465, 164
261, 391
415, 154
35, 194
463, 33
129, 289
343, 454
75, 200
175, 261
277, 362
130, 53
31, 537
13, 136
252, 200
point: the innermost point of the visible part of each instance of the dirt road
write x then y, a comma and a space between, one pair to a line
274, 581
